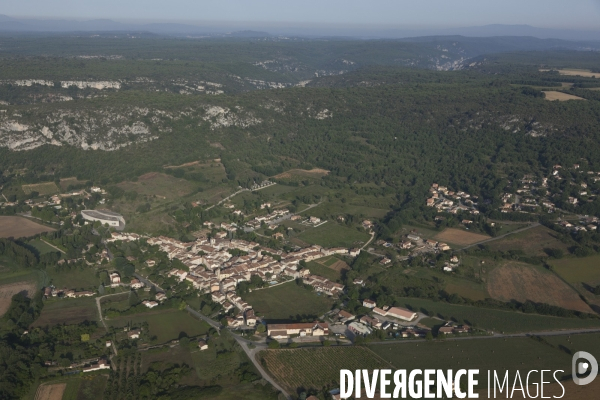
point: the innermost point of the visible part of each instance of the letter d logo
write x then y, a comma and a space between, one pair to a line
581, 367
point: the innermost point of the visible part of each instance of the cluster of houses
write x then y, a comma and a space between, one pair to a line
418, 245
365, 324
451, 265
445, 200
114, 278
257, 221
585, 224
52, 291
262, 185
213, 269
451, 329
527, 199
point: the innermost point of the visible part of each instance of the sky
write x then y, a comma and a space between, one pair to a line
570, 14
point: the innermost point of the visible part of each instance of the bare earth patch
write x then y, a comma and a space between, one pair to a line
516, 281
50, 392
576, 72
8, 291
460, 237
560, 96
313, 173
18, 227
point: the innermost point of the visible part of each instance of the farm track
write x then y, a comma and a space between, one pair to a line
534, 225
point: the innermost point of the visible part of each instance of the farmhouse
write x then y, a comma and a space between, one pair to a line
150, 303
369, 303
160, 296
136, 284
134, 334
101, 364
281, 331
374, 322
345, 316
114, 277
202, 345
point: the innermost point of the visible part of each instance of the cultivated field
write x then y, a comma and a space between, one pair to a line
532, 242
317, 367
43, 189
521, 282
162, 185
328, 267
560, 96
67, 311
42, 246
575, 270
18, 227
332, 234
9, 290
50, 391
460, 237
496, 320
467, 290
166, 325
522, 354
75, 279
286, 301
576, 72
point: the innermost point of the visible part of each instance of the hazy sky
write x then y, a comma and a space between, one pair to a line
576, 14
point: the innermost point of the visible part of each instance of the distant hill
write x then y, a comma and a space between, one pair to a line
248, 30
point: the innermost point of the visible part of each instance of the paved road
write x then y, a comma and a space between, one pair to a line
147, 281
98, 299
251, 353
535, 224
211, 322
500, 335
370, 240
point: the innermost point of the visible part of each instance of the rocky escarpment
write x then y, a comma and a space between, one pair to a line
107, 128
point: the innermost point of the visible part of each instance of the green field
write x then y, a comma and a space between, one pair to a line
497, 320
42, 247
76, 279
67, 311
512, 354
287, 300
331, 234
166, 325
575, 270
216, 365
11, 273
532, 242
317, 367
